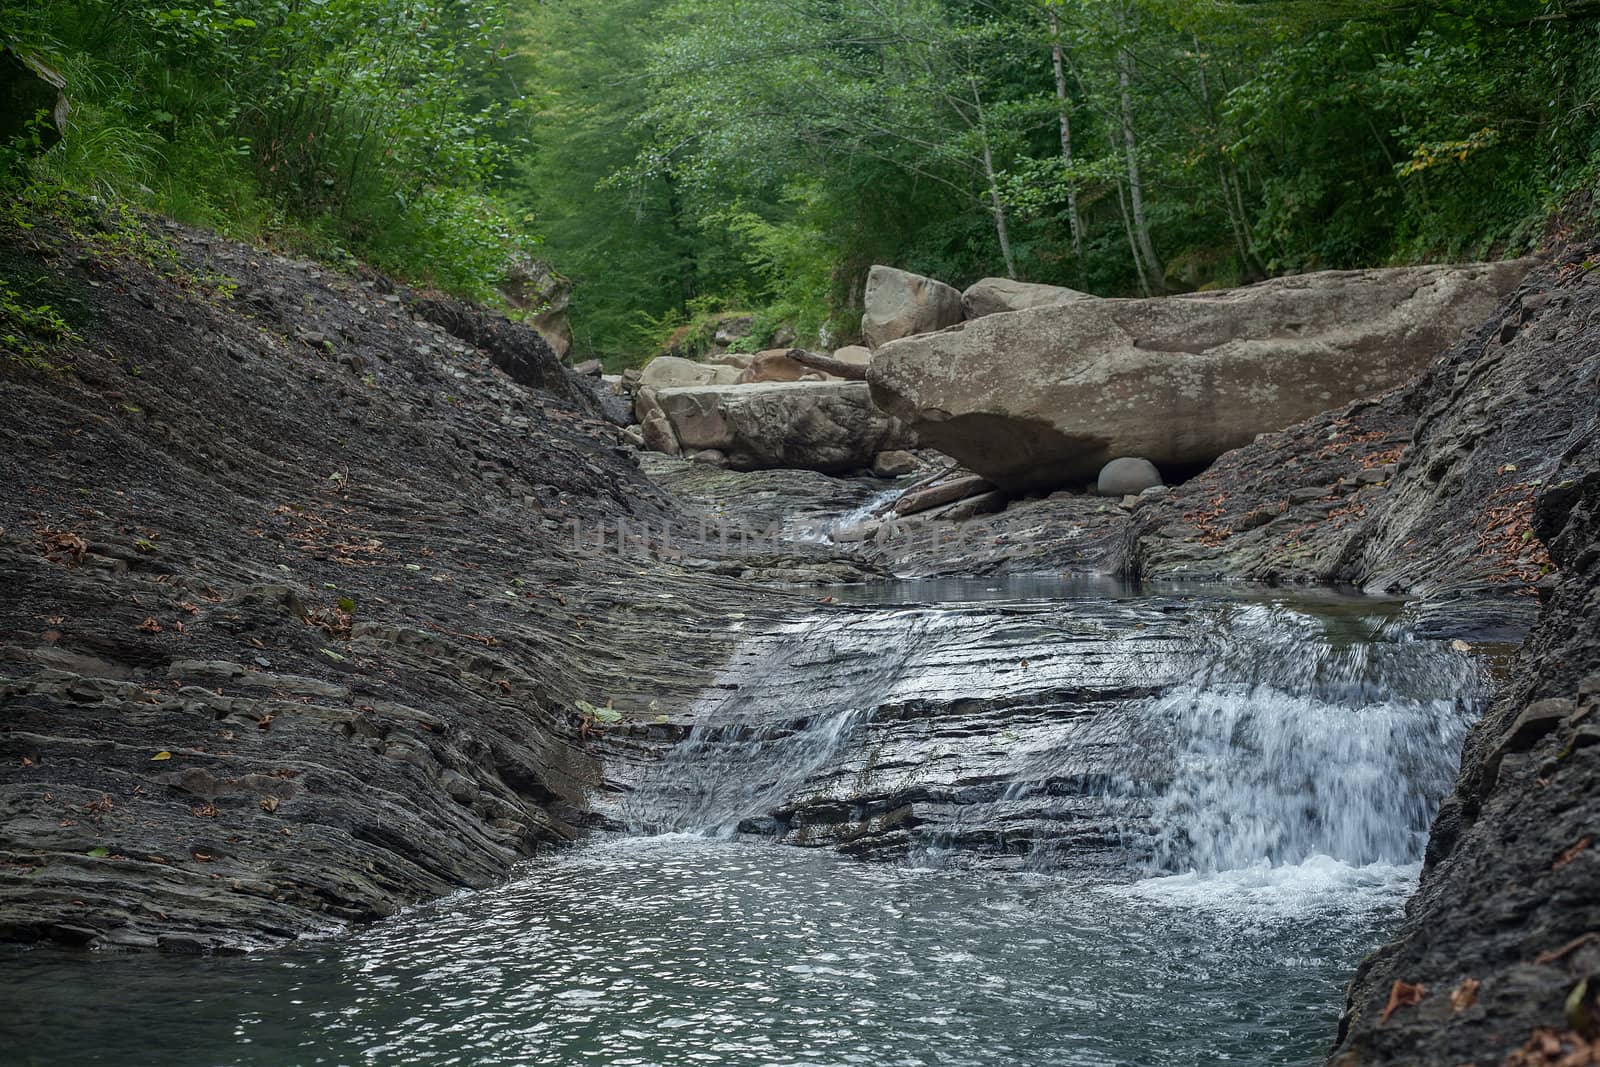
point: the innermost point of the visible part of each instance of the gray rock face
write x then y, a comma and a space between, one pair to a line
1128, 475
670, 372
993, 296
820, 426
1044, 397
900, 304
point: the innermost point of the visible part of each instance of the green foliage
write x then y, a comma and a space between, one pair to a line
684, 158
373, 127
767, 152
31, 333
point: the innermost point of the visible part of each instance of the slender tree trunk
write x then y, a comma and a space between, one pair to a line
996, 205
1133, 242
1130, 144
1074, 220
1232, 203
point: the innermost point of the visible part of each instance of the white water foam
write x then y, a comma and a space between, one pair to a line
1268, 892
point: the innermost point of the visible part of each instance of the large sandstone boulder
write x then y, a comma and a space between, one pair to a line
822, 426
991, 296
671, 372
1044, 397
901, 304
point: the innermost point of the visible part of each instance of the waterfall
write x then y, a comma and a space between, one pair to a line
1208, 736
1297, 738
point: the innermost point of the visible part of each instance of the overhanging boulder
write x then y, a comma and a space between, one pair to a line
1044, 397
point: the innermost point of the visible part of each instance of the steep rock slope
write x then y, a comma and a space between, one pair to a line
295, 619
1506, 923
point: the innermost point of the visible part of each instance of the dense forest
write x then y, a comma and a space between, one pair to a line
677, 159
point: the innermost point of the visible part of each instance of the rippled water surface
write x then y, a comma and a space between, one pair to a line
680, 950
1267, 788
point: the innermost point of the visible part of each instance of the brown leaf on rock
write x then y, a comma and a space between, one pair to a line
265, 721
202, 857
150, 626
63, 546
1464, 995
269, 804
204, 811
1402, 995
1571, 853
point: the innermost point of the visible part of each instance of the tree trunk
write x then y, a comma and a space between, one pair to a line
1133, 242
1232, 203
1073, 218
996, 205
1130, 144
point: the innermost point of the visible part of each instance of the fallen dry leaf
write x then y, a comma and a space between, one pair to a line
269, 804
204, 811
1402, 995
1464, 995
265, 721
202, 857
150, 626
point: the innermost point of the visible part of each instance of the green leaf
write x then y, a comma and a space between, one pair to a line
99, 853
607, 714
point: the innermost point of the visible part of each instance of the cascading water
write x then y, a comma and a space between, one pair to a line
1183, 737
1294, 741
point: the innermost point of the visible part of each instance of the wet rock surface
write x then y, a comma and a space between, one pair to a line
295, 622
1504, 925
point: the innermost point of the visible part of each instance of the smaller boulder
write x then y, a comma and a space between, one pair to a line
994, 296
894, 464
901, 304
1128, 476
675, 372
656, 429
710, 457
773, 365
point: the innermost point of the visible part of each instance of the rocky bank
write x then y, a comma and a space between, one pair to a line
298, 627
309, 615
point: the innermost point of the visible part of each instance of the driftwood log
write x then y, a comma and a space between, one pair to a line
828, 365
